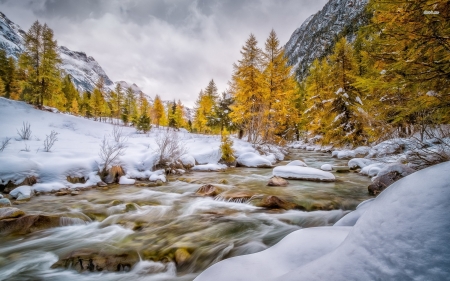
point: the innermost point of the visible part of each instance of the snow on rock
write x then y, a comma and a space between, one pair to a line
372, 169
326, 167
297, 163
21, 192
344, 154
187, 160
302, 173
401, 235
359, 163
210, 167
401, 169
251, 159
362, 151
125, 180
157, 175
279, 259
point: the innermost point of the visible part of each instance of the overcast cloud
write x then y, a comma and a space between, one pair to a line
167, 47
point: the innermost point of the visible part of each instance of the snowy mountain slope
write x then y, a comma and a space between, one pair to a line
316, 37
136, 90
11, 36
85, 70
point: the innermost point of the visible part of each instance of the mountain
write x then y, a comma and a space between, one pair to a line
317, 36
136, 90
85, 70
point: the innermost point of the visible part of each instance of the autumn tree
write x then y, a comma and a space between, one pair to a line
40, 62
157, 111
247, 88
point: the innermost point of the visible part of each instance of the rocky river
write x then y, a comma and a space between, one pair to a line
170, 232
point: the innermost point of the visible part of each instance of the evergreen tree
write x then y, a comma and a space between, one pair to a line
117, 99
70, 92
74, 107
171, 115
143, 123
2, 88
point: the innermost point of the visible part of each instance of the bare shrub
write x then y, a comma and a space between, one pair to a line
26, 148
110, 154
433, 150
25, 132
118, 134
170, 148
4, 144
50, 141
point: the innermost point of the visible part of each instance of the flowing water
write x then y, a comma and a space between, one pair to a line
174, 233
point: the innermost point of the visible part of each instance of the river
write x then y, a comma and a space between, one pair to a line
173, 233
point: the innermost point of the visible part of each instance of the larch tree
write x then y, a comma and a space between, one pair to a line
157, 111
280, 89
247, 88
40, 61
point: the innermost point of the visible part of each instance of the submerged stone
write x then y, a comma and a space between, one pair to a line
209, 190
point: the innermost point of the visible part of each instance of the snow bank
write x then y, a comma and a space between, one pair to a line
372, 169
251, 159
402, 235
75, 154
302, 173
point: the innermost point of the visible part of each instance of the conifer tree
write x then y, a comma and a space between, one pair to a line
40, 62
247, 89
2, 88
157, 111
74, 107
70, 92
281, 89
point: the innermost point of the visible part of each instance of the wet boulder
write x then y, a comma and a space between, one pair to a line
22, 192
181, 256
89, 260
277, 181
4, 202
209, 190
10, 212
28, 223
275, 202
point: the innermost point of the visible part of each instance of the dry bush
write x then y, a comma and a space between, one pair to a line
50, 141
110, 154
25, 132
4, 144
118, 134
170, 148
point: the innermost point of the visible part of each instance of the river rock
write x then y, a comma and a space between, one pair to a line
387, 176
277, 181
275, 202
303, 173
181, 256
101, 184
28, 223
4, 202
188, 161
10, 212
341, 169
75, 179
209, 190
88, 260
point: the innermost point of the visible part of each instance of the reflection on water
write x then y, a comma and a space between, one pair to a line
174, 233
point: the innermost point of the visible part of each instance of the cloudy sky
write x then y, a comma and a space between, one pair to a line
167, 47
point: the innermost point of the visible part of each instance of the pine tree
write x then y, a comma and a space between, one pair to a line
143, 123
200, 121
2, 88
157, 111
171, 115
116, 100
247, 89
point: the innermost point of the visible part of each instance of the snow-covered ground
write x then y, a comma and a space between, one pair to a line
76, 152
402, 234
